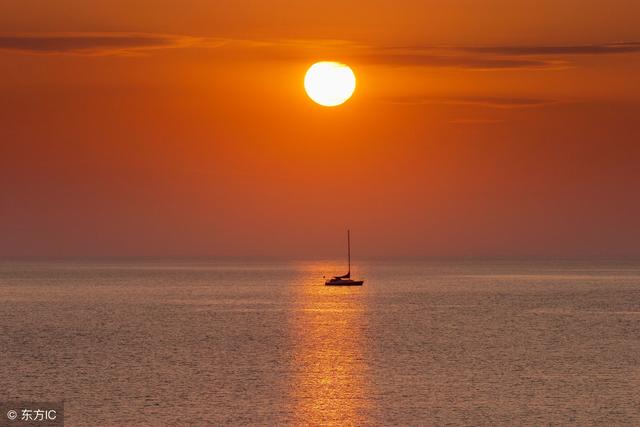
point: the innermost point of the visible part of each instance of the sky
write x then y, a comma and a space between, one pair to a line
181, 128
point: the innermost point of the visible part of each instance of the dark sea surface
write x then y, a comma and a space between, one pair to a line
265, 343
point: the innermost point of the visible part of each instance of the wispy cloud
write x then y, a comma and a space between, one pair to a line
541, 57
456, 57
476, 101
544, 50
425, 56
95, 43
472, 62
493, 57
476, 121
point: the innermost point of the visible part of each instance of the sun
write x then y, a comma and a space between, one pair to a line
329, 83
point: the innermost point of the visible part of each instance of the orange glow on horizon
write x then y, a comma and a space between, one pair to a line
485, 142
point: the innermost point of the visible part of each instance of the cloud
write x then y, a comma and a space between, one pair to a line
454, 57
476, 121
476, 101
592, 49
348, 51
95, 43
472, 62
493, 57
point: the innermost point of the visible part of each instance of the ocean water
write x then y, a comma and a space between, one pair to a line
265, 343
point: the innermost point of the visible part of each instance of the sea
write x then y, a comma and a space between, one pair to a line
252, 342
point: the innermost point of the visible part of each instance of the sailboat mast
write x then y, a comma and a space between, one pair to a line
349, 249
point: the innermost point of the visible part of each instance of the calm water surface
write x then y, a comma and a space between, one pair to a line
237, 343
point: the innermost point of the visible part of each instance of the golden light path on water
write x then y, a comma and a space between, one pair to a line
329, 385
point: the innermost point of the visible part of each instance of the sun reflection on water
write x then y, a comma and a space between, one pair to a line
329, 383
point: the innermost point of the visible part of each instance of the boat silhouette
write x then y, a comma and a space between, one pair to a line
345, 280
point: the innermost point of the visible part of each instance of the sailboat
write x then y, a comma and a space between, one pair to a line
345, 280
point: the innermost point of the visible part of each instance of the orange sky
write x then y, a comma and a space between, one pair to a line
166, 128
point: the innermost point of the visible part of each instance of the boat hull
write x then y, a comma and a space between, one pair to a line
344, 283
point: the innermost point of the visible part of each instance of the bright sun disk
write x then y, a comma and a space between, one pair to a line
329, 83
